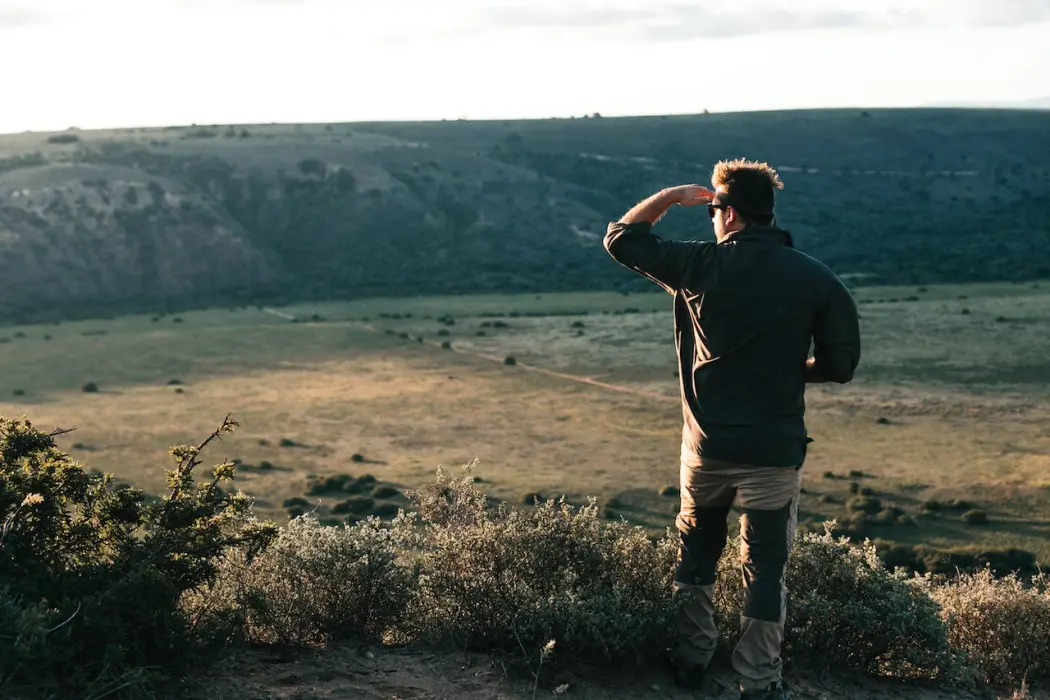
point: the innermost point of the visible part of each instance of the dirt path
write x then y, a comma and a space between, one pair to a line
371, 673
527, 367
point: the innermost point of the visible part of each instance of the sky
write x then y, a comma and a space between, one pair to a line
117, 63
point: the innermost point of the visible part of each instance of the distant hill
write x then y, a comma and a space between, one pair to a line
1032, 103
105, 221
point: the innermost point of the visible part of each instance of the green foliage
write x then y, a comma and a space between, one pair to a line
316, 583
385, 491
1002, 624
91, 574
63, 138
354, 504
949, 562
863, 504
515, 579
974, 517
90, 388
311, 166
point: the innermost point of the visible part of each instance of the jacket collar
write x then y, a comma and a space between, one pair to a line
767, 233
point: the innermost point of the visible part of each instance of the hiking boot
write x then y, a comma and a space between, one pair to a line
775, 691
689, 677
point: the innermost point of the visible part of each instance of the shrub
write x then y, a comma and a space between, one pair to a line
91, 575
357, 457
974, 517
509, 360
295, 501
829, 475
949, 562
854, 487
888, 516
90, 388
354, 504
385, 491
846, 610
863, 504
336, 483
19, 392
445, 345
386, 510
288, 442
669, 491
444, 332
174, 382
355, 587
1001, 624
515, 579
63, 138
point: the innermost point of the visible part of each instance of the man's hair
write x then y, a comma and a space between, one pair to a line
749, 188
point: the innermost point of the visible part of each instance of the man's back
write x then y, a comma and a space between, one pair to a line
746, 312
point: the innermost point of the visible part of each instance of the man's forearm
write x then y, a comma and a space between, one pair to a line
651, 209
839, 370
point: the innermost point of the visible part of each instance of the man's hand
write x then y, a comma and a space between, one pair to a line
691, 195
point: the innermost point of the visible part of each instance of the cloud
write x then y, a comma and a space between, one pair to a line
681, 20
15, 17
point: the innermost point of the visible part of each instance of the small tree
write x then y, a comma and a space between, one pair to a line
91, 575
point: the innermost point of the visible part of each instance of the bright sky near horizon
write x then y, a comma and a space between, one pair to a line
113, 63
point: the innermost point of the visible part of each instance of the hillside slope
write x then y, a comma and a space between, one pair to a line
148, 218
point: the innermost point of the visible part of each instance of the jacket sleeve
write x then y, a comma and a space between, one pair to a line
836, 335
665, 262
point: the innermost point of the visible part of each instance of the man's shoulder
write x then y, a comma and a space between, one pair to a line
809, 263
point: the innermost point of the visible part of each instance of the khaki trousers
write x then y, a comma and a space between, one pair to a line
768, 499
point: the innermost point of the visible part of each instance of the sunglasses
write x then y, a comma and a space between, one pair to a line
712, 207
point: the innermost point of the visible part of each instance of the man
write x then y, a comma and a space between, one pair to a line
746, 308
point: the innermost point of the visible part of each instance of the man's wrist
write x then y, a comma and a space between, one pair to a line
671, 196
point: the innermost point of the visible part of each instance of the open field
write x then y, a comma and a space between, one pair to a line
952, 401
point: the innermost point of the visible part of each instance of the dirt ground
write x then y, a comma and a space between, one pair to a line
372, 673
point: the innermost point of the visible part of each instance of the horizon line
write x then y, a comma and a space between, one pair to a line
571, 117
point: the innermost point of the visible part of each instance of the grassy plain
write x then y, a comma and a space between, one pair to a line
952, 400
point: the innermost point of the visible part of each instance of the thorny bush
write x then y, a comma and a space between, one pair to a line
91, 574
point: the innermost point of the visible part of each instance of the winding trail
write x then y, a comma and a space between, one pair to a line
527, 367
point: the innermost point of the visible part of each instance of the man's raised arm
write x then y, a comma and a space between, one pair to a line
631, 243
